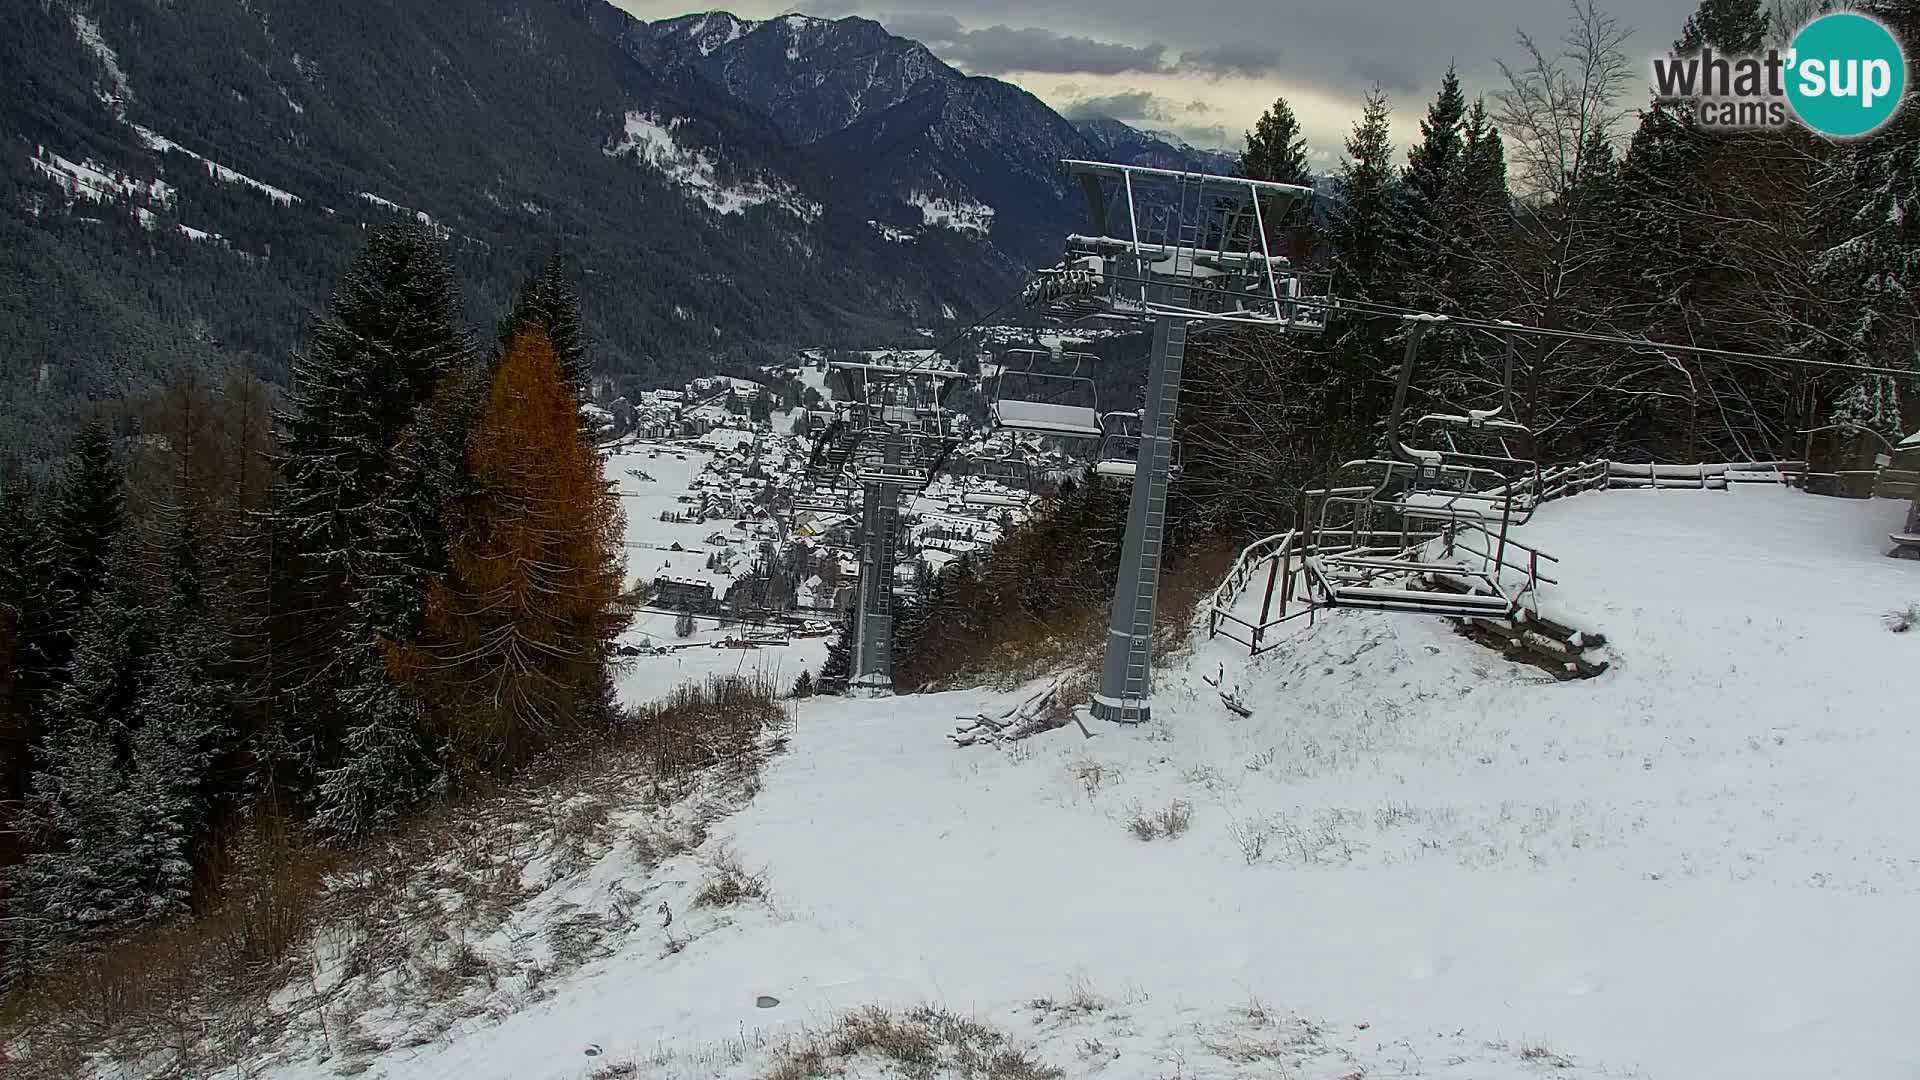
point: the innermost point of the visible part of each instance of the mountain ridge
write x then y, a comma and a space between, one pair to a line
181, 184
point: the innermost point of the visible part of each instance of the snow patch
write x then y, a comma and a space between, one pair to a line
158, 142
192, 233
889, 232
418, 215
650, 139
960, 214
95, 182
88, 31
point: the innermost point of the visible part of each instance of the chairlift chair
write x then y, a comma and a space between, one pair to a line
1025, 399
1014, 473
1119, 454
1446, 483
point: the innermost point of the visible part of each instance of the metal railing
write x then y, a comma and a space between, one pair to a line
1283, 556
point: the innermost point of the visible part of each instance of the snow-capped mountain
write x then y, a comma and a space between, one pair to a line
726, 187
918, 143
1116, 141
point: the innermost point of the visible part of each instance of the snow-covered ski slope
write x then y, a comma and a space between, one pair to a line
1414, 859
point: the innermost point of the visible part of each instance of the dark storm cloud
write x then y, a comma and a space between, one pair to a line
1249, 61
1340, 49
1132, 107
1396, 80
998, 49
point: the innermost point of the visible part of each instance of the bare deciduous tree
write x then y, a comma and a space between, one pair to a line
1555, 105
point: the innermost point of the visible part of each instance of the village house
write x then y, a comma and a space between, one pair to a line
685, 594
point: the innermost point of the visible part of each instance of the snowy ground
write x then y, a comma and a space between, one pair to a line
1415, 859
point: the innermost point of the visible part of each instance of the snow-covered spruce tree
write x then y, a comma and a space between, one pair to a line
803, 686
30, 638
84, 879
88, 873
388, 343
1276, 151
1675, 259
1875, 259
1361, 236
390, 336
549, 301
111, 646
838, 666
390, 758
183, 722
86, 518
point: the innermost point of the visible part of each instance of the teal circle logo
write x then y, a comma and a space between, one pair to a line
1846, 74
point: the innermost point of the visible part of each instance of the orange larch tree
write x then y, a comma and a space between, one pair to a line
520, 631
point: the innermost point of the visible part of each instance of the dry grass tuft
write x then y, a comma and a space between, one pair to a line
730, 884
1169, 821
1540, 1055
922, 1042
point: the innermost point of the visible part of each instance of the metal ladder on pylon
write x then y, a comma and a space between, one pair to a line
1140, 565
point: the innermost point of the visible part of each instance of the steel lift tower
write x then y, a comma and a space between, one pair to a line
889, 440
1185, 253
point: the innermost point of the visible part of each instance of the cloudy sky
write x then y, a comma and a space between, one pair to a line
1206, 68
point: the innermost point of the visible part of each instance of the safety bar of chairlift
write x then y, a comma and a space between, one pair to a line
901, 370
1107, 246
1489, 424
1246, 308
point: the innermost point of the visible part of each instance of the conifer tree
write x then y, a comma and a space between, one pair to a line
388, 339
549, 301
183, 712
1875, 258
1431, 223
87, 517
30, 635
1276, 151
803, 686
389, 343
1360, 224
1434, 162
388, 761
838, 667
110, 650
1361, 232
1481, 196
83, 880
97, 839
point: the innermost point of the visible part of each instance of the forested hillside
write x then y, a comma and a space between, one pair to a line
179, 182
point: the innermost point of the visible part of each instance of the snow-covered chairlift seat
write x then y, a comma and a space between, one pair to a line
1463, 506
1047, 418
989, 498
